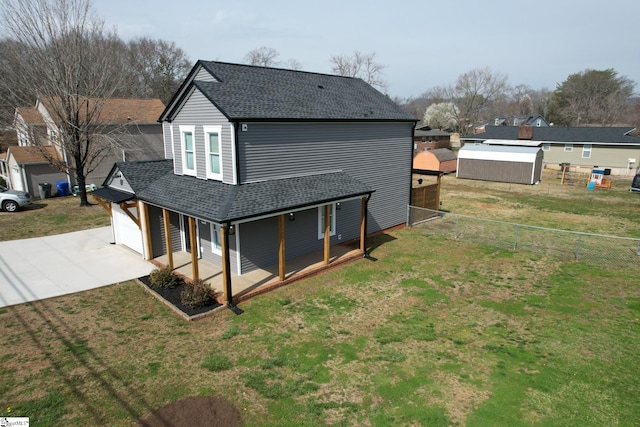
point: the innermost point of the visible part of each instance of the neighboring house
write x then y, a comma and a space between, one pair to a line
130, 123
24, 168
535, 120
583, 147
263, 165
426, 138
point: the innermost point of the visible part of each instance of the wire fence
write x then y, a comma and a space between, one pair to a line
613, 251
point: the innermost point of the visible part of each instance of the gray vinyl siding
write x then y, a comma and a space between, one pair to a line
168, 147
203, 75
156, 224
206, 244
379, 154
259, 239
198, 111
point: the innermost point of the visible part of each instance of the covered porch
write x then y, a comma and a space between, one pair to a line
261, 280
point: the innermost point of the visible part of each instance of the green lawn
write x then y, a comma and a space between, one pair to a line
436, 332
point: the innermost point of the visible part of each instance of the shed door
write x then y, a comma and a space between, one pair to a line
125, 230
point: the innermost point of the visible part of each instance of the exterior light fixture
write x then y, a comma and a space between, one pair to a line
232, 230
292, 216
338, 206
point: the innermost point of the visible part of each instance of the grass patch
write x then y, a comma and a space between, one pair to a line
436, 332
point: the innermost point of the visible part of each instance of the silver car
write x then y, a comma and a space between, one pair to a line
11, 200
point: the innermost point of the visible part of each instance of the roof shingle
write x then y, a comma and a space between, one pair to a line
245, 92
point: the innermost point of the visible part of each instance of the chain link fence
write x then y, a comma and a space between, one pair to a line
613, 251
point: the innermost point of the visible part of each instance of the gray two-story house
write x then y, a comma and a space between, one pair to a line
264, 165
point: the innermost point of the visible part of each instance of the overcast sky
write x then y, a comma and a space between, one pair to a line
423, 43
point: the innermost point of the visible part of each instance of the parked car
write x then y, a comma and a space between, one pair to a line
11, 200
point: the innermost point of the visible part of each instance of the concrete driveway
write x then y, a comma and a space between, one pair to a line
45, 267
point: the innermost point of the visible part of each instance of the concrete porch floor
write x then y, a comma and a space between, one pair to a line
262, 280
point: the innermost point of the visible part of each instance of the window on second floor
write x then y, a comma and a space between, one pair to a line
546, 147
187, 135
568, 148
586, 151
213, 149
332, 221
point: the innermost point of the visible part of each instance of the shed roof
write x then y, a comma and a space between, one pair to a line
246, 92
499, 153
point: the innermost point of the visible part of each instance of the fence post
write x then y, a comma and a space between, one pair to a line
577, 254
408, 214
457, 219
515, 241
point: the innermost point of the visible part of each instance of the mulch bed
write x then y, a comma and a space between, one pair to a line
172, 295
195, 412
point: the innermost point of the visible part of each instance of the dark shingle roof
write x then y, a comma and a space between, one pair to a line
141, 174
215, 201
245, 92
444, 154
604, 135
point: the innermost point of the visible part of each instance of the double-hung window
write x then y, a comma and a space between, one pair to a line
568, 148
586, 151
546, 146
332, 221
187, 135
213, 149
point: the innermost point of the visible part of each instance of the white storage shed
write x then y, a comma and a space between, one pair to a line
518, 165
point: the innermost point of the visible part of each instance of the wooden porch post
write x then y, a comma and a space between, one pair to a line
281, 248
167, 237
147, 229
327, 233
363, 223
438, 191
194, 247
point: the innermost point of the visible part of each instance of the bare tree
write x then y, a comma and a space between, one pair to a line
158, 66
475, 93
262, 56
74, 65
292, 64
361, 65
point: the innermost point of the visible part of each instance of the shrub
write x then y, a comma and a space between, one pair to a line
196, 294
3, 182
164, 278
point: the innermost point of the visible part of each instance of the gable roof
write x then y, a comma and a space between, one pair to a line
590, 135
30, 115
25, 155
120, 110
246, 92
155, 183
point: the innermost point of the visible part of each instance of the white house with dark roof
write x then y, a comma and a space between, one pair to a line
583, 147
264, 165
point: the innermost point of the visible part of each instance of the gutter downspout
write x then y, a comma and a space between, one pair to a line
227, 266
366, 214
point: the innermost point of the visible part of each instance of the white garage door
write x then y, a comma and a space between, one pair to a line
125, 230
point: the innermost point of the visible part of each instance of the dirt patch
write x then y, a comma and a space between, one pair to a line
195, 412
